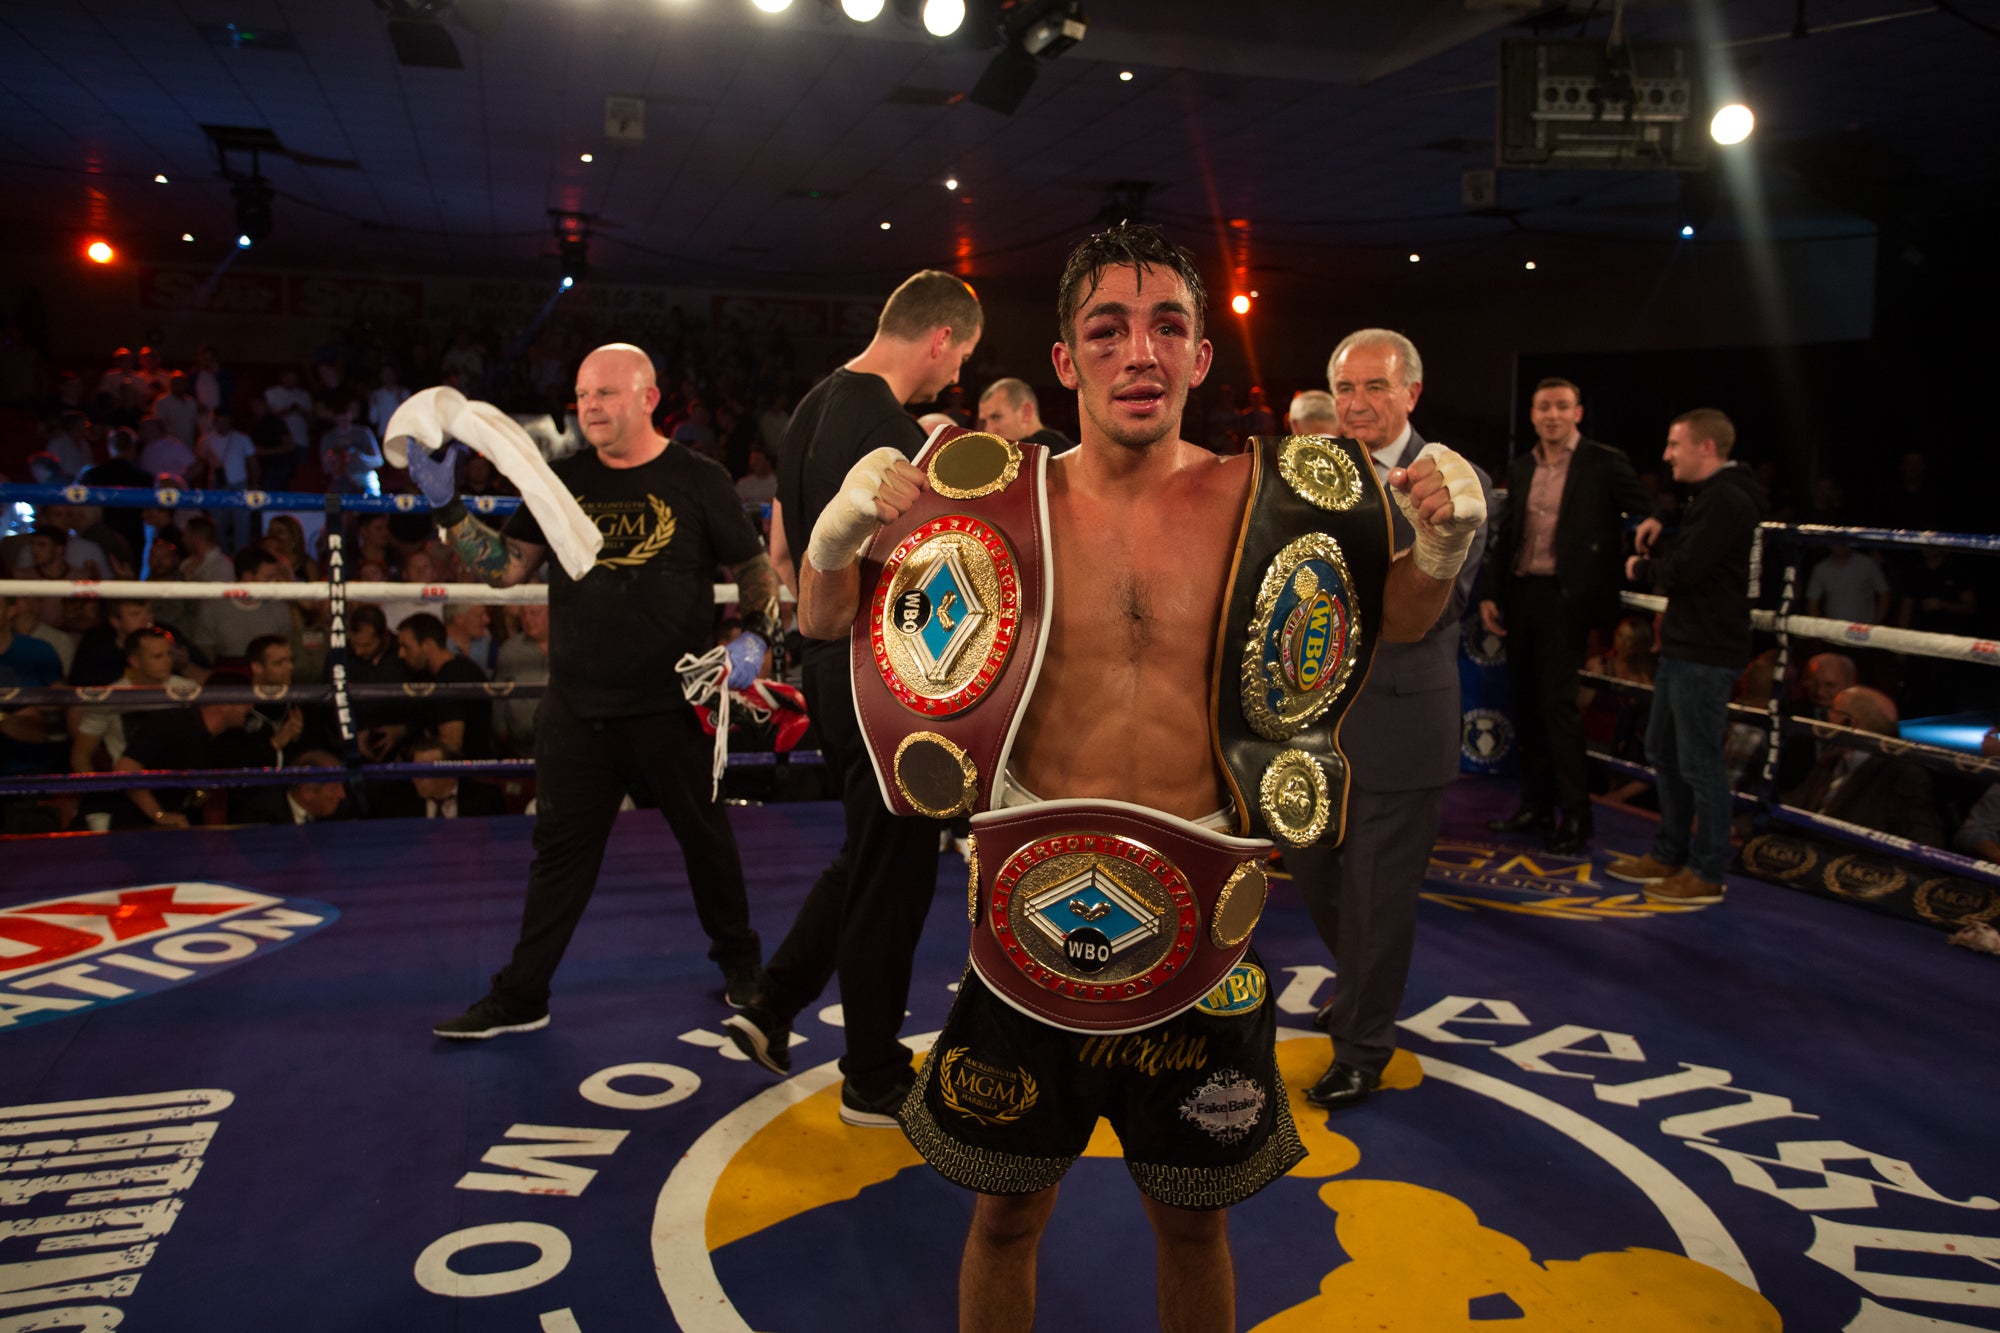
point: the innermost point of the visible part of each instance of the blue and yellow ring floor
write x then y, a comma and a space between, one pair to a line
221, 1108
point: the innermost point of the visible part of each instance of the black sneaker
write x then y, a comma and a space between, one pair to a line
741, 984
763, 1036
874, 1112
491, 1017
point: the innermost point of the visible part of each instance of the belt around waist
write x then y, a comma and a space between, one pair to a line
1101, 916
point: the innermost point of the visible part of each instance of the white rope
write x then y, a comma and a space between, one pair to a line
527, 594
703, 679
1919, 643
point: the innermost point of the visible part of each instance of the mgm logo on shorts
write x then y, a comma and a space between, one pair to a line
983, 1092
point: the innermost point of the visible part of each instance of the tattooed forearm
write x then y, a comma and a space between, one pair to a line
757, 589
483, 550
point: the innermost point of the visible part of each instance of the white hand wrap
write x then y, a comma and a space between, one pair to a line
1440, 549
848, 524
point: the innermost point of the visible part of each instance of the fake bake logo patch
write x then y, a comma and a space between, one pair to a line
1228, 1106
65, 956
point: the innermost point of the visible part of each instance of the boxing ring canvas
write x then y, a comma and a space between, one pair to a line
221, 1107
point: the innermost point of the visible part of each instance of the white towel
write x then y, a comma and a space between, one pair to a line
433, 416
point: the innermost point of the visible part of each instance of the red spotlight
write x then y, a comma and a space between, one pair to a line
100, 252
1240, 304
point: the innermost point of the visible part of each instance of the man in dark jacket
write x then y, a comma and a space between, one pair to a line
1877, 791
1704, 643
1552, 576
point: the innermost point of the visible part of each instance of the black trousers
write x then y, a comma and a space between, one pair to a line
1363, 900
865, 913
1545, 650
583, 770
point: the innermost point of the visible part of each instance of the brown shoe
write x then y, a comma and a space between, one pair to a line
1640, 870
1684, 886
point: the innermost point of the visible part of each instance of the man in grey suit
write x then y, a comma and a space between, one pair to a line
1401, 738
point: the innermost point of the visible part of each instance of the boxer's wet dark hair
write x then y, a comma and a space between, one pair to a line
1127, 245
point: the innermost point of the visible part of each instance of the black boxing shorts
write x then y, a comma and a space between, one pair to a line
1004, 1103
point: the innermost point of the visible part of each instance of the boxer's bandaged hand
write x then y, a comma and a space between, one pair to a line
849, 522
1443, 540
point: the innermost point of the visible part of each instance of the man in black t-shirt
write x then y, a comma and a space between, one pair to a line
866, 911
197, 737
614, 719
466, 725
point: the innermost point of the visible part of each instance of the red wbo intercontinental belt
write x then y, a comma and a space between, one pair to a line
945, 651
1099, 916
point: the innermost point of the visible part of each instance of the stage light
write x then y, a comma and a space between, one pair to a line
773, 6
862, 11
1732, 124
951, 183
1124, 76
187, 235
568, 282
253, 209
100, 252
586, 158
885, 226
1240, 304
1416, 259
1256, 296
159, 178
943, 17
1530, 266
1687, 230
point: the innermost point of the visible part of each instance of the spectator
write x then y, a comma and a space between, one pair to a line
379, 726
277, 458
1939, 598
300, 803
1615, 720
697, 431
1877, 791
231, 461
288, 728
28, 623
100, 654
1850, 587
163, 454
202, 560
1258, 418
69, 445
1980, 834
442, 797
121, 393
1312, 413
524, 657
384, 399
99, 737
123, 469
184, 738
285, 539
759, 486
350, 453
227, 625
177, 410
214, 387
29, 664
467, 625
466, 725
292, 405
153, 375
464, 365
482, 478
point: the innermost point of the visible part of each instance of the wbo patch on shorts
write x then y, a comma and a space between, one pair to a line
1227, 1107
1241, 992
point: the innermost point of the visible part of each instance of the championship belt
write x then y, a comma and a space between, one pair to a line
955, 616
1099, 916
1298, 631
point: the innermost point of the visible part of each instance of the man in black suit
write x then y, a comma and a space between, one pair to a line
1558, 559
1401, 739
445, 796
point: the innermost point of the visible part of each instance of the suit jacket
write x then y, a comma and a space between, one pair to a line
1402, 732
1600, 491
1886, 794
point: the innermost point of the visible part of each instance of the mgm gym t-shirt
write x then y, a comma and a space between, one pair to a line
615, 633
